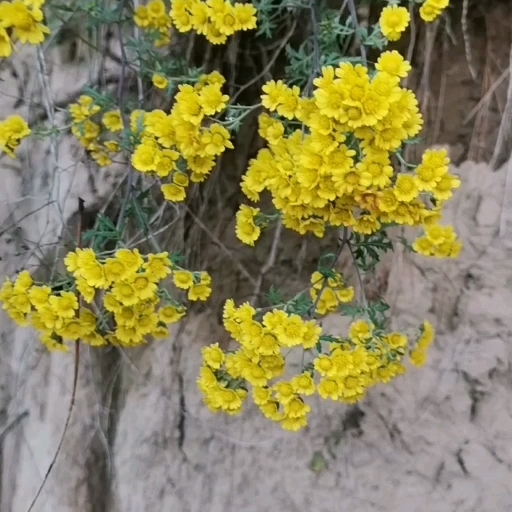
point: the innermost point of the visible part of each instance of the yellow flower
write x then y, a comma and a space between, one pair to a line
87, 321
327, 302
393, 63
125, 293
144, 288
303, 384
160, 81
183, 279
396, 340
101, 158
225, 20
393, 21
289, 102
131, 259
311, 335
156, 9
353, 386
112, 121
52, 344
25, 22
86, 292
111, 303
427, 336
445, 185
274, 92
254, 374
245, 15
137, 118
432, 9
39, 295
75, 260
264, 344
94, 274
438, 234
360, 331
206, 380
213, 356
84, 108
145, 158
246, 229
126, 316
113, 146
12, 130
199, 17
199, 292
293, 424
418, 357
261, 395
94, 339
215, 140
212, 100
163, 38
423, 246
272, 130
19, 302
158, 266
296, 408
329, 388
406, 188
115, 270
171, 314
23, 282
229, 399
284, 392
173, 192
274, 365
141, 17
5, 43
324, 365
71, 330
64, 305
180, 17
291, 331
366, 224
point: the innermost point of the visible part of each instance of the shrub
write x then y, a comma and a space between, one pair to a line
336, 128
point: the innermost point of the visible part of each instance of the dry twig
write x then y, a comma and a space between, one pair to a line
467, 41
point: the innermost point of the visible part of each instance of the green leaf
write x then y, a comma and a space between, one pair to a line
274, 297
368, 249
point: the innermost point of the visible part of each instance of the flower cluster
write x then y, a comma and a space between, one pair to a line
342, 369
337, 170
95, 131
129, 278
432, 9
393, 21
329, 291
56, 315
249, 222
419, 354
183, 137
160, 81
215, 19
153, 16
438, 241
12, 130
134, 306
21, 20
